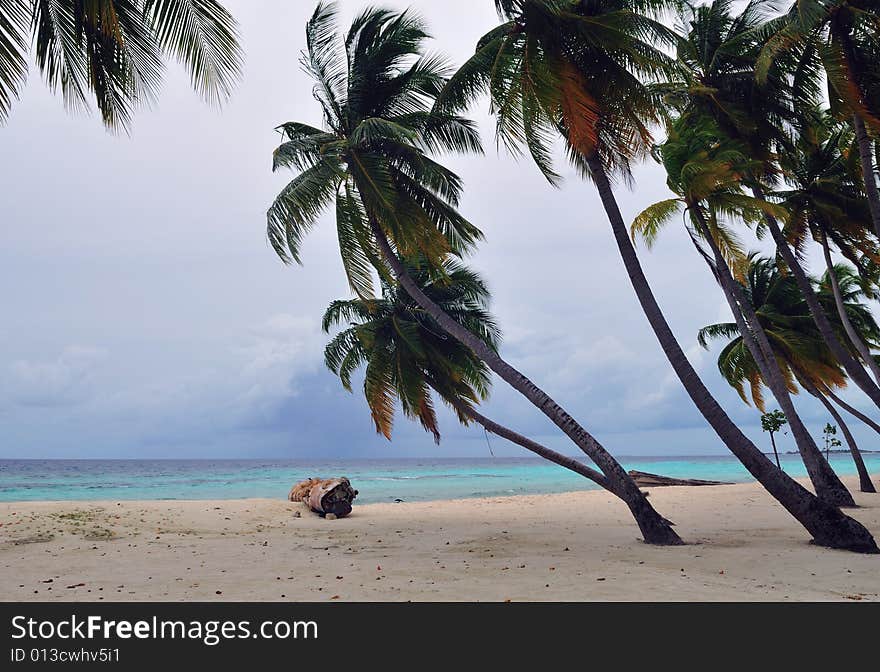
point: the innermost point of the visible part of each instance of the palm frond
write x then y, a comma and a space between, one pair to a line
203, 36
717, 331
14, 15
651, 220
297, 207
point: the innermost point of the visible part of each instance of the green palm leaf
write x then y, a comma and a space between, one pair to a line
202, 35
113, 51
13, 52
651, 220
405, 355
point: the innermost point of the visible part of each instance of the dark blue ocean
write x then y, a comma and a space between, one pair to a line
377, 480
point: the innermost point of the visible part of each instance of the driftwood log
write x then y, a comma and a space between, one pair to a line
325, 495
645, 480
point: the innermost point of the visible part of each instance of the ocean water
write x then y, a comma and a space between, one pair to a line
376, 480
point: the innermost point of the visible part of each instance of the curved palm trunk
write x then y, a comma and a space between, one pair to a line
828, 485
855, 370
828, 525
852, 411
558, 458
867, 158
865, 484
842, 35
851, 333
654, 527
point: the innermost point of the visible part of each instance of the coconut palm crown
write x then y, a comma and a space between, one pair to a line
376, 89
843, 38
799, 348
823, 191
704, 169
405, 353
575, 68
715, 75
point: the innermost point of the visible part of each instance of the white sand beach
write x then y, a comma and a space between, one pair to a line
575, 546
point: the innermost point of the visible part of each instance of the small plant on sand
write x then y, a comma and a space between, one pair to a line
773, 422
831, 440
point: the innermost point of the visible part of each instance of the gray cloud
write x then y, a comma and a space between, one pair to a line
61, 381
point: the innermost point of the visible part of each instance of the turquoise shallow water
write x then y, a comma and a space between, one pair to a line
377, 480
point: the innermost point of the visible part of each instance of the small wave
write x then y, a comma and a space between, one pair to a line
428, 477
408, 478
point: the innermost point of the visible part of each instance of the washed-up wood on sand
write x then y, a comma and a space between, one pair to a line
645, 480
325, 495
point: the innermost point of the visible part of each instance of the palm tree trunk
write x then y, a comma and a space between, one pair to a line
775, 452
654, 527
865, 484
828, 525
855, 370
866, 156
852, 411
842, 35
828, 485
558, 458
854, 338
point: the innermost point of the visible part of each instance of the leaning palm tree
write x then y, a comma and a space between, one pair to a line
797, 347
717, 59
828, 205
114, 50
392, 200
575, 70
407, 358
705, 173
842, 36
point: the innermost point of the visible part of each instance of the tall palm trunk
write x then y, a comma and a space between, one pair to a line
867, 158
828, 525
842, 35
558, 458
654, 527
852, 411
851, 333
865, 484
828, 485
855, 370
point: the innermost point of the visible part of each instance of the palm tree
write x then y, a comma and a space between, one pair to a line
407, 356
716, 76
827, 204
114, 50
798, 348
705, 172
574, 69
392, 199
842, 35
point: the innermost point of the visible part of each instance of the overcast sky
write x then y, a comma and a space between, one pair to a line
144, 314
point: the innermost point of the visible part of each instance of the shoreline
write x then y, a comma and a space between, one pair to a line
581, 545
378, 482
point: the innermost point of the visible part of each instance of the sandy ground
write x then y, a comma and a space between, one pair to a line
576, 546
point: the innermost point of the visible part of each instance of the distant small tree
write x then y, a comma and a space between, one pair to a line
831, 440
773, 422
